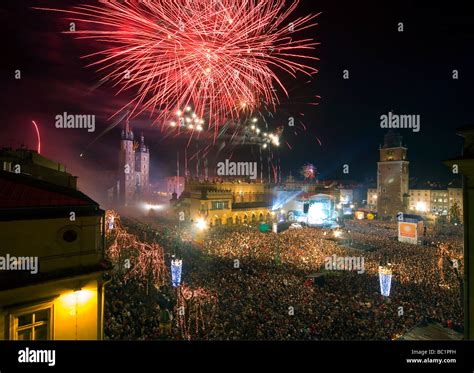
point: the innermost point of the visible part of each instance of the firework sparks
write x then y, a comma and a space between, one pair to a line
308, 171
224, 57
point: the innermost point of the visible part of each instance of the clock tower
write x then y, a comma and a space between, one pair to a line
392, 177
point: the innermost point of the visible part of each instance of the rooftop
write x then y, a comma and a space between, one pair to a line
20, 191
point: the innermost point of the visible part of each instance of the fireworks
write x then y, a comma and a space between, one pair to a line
187, 118
308, 171
38, 136
223, 57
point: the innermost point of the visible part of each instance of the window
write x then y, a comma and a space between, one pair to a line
70, 236
220, 205
32, 325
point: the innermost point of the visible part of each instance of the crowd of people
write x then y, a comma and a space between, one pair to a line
263, 287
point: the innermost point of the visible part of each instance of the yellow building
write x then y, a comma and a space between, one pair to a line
51, 261
221, 203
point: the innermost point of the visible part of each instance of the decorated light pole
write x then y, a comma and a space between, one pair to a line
385, 278
176, 268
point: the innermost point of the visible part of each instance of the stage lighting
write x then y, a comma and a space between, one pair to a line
318, 213
201, 224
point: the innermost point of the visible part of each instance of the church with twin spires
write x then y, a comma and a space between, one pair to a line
133, 168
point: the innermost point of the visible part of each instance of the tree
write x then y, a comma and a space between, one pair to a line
455, 214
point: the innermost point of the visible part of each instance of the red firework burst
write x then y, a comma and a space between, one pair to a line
221, 56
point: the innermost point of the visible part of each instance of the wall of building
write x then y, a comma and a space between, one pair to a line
372, 196
420, 201
142, 167
392, 186
201, 198
45, 238
74, 312
73, 315
126, 172
37, 166
392, 177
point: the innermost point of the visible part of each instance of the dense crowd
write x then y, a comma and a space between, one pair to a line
264, 292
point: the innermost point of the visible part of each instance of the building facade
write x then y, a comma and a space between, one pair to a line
439, 202
133, 170
175, 184
372, 196
226, 202
61, 230
420, 200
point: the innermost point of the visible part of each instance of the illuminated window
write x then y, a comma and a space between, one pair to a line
220, 205
32, 325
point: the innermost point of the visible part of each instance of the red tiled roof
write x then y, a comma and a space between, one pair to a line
20, 191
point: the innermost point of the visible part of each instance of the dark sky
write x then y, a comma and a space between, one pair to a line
408, 72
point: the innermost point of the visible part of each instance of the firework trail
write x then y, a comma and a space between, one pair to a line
105, 131
38, 136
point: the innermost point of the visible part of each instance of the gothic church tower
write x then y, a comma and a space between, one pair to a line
126, 170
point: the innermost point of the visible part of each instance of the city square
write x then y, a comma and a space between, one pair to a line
193, 172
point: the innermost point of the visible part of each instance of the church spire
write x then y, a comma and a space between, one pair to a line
142, 148
127, 126
127, 133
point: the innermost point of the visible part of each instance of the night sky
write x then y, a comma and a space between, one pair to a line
408, 72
